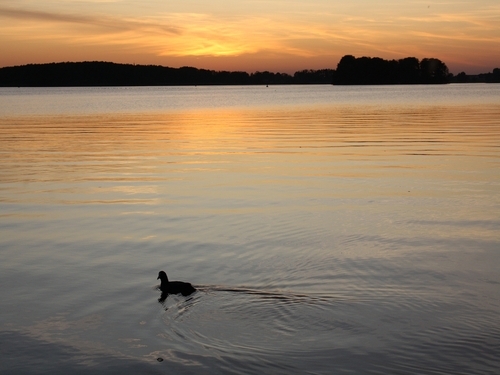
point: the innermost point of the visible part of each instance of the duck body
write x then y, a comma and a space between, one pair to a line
174, 287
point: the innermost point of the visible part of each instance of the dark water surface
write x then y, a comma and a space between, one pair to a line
328, 230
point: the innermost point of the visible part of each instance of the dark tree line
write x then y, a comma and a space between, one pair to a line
314, 76
111, 74
350, 71
377, 71
493, 77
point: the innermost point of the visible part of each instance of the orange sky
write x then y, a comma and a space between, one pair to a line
250, 35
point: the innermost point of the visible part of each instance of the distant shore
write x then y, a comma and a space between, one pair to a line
350, 71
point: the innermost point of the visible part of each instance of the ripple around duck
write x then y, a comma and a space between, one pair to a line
235, 328
245, 320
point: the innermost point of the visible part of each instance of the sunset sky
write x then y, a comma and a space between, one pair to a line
250, 35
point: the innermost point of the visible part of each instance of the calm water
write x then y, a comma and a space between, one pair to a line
329, 230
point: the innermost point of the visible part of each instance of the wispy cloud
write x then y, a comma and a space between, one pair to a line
106, 22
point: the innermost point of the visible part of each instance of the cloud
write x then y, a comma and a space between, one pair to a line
105, 22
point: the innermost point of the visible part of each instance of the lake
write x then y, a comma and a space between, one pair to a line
328, 229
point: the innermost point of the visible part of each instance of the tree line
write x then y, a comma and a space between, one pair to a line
96, 73
350, 71
377, 71
493, 77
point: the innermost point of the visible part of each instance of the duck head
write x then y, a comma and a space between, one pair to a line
162, 276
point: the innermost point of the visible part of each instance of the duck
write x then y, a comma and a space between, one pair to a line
174, 287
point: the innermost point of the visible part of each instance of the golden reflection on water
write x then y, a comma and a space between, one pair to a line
220, 156
242, 162
133, 147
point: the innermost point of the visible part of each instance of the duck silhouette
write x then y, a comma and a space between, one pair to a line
174, 287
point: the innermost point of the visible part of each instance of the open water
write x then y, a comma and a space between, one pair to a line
329, 230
